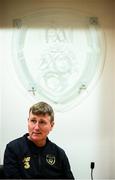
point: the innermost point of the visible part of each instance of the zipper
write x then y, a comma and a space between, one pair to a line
39, 162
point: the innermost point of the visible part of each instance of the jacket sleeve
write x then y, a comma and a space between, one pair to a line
67, 168
11, 165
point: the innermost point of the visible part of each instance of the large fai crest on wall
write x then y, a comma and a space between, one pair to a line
58, 55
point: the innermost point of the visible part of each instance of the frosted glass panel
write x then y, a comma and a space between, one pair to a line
58, 55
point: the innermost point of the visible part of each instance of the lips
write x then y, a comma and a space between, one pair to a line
36, 133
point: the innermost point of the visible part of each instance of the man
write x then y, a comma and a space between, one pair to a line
34, 156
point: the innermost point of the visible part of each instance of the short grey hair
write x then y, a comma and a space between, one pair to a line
42, 108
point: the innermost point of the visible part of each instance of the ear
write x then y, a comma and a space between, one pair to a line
52, 124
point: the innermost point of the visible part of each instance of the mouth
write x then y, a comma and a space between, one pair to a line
36, 133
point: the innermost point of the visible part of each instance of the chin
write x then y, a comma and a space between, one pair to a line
37, 138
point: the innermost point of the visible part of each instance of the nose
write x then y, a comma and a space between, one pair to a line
36, 127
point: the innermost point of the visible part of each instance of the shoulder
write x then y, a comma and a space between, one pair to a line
17, 143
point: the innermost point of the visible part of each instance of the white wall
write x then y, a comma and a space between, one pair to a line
113, 57
87, 131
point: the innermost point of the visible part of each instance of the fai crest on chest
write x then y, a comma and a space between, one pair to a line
50, 159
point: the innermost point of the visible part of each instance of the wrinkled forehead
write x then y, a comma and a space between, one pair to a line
40, 115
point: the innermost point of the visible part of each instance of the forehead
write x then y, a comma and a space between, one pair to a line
39, 116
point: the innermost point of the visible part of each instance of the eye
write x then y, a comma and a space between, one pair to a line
42, 122
33, 121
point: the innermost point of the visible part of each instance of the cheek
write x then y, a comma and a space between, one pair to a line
46, 130
49, 129
29, 127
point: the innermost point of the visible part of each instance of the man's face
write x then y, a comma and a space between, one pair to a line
39, 127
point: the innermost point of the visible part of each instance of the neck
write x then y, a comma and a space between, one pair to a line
38, 143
